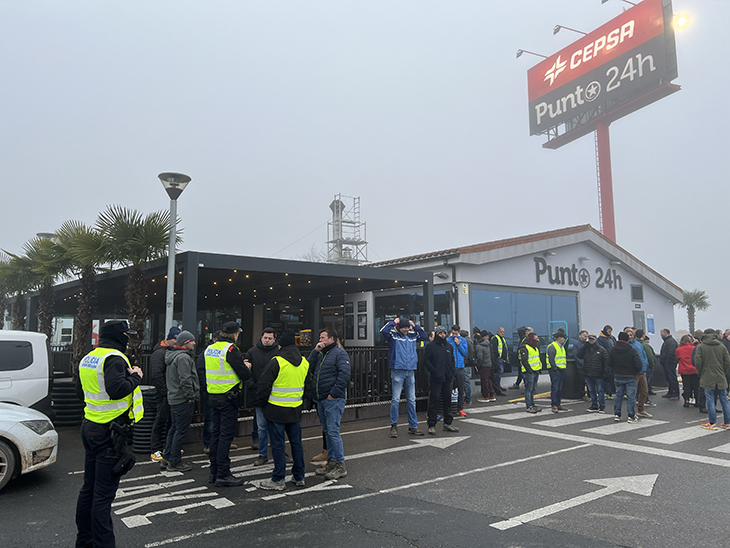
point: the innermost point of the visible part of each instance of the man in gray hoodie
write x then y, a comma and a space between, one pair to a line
183, 390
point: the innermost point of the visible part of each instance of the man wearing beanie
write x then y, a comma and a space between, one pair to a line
224, 376
625, 363
183, 390
438, 357
403, 337
283, 385
157, 376
109, 386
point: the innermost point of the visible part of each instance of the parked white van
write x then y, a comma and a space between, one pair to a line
26, 376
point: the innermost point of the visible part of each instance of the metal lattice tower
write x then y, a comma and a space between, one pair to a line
346, 235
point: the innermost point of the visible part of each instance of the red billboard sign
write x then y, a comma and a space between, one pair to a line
618, 61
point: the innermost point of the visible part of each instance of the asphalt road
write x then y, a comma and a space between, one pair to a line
507, 479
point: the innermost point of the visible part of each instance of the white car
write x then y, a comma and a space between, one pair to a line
28, 441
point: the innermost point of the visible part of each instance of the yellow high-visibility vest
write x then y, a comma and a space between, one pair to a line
533, 358
560, 359
100, 408
288, 388
219, 375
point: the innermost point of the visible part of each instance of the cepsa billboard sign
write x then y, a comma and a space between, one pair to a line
627, 56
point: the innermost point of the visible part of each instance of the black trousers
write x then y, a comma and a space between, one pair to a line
161, 425
440, 390
225, 422
691, 385
94, 506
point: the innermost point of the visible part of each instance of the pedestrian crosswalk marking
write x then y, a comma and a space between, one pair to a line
573, 419
138, 520
619, 427
725, 448
515, 416
491, 409
678, 436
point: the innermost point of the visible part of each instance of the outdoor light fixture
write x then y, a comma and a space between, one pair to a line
549, 254
174, 184
441, 275
556, 29
521, 51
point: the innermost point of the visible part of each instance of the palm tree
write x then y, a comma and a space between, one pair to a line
133, 240
85, 250
18, 280
693, 301
4, 289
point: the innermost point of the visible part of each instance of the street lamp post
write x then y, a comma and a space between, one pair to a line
174, 184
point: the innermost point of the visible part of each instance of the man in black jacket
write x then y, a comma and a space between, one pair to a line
595, 364
668, 360
626, 365
438, 357
157, 376
257, 358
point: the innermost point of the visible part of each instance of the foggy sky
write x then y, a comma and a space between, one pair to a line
418, 107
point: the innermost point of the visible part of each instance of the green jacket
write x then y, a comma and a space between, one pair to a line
650, 355
712, 362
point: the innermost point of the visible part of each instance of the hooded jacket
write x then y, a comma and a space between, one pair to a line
684, 359
595, 360
483, 351
460, 350
259, 356
438, 357
636, 345
157, 368
624, 360
276, 413
606, 341
403, 348
712, 362
181, 376
330, 372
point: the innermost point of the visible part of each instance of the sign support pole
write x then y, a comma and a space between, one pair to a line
605, 182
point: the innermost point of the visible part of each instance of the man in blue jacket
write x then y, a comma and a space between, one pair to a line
331, 366
403, 337
461, 348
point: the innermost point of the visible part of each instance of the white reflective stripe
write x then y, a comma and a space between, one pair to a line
113, 406
284, 398
138, 408
223, 381
287, 390
94, 397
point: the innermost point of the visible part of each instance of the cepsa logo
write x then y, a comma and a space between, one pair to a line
591, 51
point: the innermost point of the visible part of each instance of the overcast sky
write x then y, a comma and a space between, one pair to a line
419, 107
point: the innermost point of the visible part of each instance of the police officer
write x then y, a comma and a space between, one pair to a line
530, 365
556, 361
109, 387
225, 372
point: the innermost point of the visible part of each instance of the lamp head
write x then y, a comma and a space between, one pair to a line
174, 183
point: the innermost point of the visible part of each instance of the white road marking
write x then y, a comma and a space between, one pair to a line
136, 490
237, 458
574, 419
640, 485
363, 496
329, 485
488, 409
619, 427
678, 436
187, 494
523, 414
722, 448
138, 520
606, 443
160, 475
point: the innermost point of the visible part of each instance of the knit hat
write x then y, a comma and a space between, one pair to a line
404, 322
184, 337
173, 333
623, 336
439, 329
287, 338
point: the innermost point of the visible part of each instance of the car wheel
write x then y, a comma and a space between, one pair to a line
7, 463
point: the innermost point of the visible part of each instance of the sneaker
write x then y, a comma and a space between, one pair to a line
432, 430
708, 426
179, 467
485, 400
338, 471
326, 469
156, 456
229, 481
492, 399
633, 419
592, 409
645, 415
393, 431
609, 396
298, 483
163, 465
725, 426
554, 408
686, 403
617, 418
461, 412
601, 409
415, 431
649, 403
536, 408
206, 449
450, 428
561, 408
531, 410
270, 485
321, 458
260, 460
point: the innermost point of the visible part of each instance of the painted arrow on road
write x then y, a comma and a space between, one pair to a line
639, 485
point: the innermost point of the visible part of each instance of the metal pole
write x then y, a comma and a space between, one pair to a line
605, 181
171, 269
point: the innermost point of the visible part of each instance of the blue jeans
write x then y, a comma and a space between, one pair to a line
625, 385
293, 431
530, 378
399, 379
181, 415
595, 389
556, 386
263, 433
330, 415
467, 384
711, 411
498, 368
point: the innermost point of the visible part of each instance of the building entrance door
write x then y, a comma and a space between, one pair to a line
639, 321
